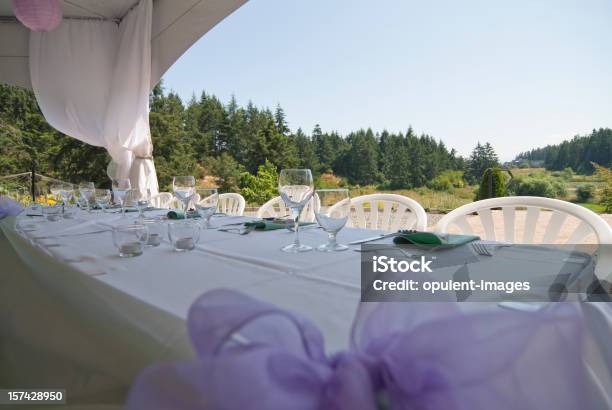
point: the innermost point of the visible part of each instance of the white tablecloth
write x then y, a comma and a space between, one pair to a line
77, 316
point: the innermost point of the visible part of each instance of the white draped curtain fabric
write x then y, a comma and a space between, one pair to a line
91, 79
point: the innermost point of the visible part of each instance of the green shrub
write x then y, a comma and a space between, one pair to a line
585, 192
259, 189
606, 198
227, 172
330, 181
529, 186
560, 188
498, 184
605, 192
567, 174
447, 180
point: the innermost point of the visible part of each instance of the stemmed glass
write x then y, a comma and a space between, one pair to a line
141, 198
67, 194
19, 195
56, 191
184, 189
87, 190
207, 205
103, 198
120, 190
296, 188
332, 215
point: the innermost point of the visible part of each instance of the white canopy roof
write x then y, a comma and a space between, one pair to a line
177, 24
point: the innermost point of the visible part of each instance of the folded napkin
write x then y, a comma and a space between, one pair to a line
270, 225
431, 239
8, 207
176, 214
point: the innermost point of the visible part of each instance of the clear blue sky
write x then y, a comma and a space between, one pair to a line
518, 73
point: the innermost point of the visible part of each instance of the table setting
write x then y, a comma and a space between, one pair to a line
110, 256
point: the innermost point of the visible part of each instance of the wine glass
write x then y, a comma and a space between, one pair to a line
56, 191
296, 188
141, 198
207, 205
87, 190
332, 215
184, 189
103, 198
19, 195
120, 190
67, 193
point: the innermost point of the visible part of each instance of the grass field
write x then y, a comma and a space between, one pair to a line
593, 207
442, 201
445, 201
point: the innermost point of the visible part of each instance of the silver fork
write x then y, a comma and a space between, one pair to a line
481, 248
240, 231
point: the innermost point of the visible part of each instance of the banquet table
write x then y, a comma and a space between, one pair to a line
77, 316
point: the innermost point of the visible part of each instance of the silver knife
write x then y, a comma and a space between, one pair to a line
373, 238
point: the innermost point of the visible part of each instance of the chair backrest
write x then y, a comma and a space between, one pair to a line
520, 219
386, 212
276, 208
162, 200
231, 204
176, 204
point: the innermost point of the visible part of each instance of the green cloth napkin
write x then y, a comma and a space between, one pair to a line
270, 225
176, 214
431, 239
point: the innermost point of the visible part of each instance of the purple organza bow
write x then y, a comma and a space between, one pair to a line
404, 356
8, 207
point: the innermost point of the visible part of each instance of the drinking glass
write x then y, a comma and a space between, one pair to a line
87, 190
67, 194
332, 215
130, 239
184, 234
52, 212
120, 190
296, 188
207, 205
43, 196
157, 230
32, 201
103, 198
19, 195
56, 191
184, 189
141, 199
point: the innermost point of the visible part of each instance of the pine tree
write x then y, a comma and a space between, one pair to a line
172, 150
280, 121
362, 158
483, 157
305, 151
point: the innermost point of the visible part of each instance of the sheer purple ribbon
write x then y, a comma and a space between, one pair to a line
402, 356
8, 207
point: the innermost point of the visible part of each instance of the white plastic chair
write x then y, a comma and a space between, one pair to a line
231, 204
162, 200
547, 232
387, 212
276, 208
176, 204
